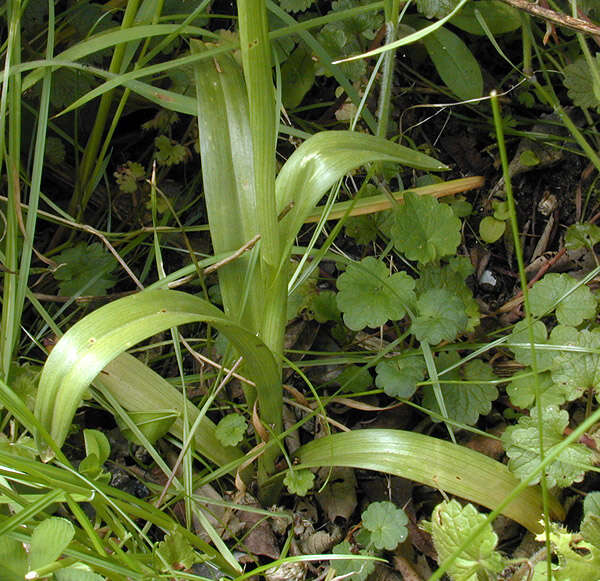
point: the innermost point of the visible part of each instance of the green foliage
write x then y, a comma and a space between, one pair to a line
231, 429
354, 378
85, 268
440, 317
455, 64
97, 451
129, 175
436, 8
522, 445
590, 526
323, 307
425, 230
386, 523
175, 552
464, 402
582, 236
299, 481
499, 17
355, 569
369, 296
580, 83
296, 5
450, 524
55, 152
169, 152
491, 229
398, 376
522, 389
297, 76
551, 293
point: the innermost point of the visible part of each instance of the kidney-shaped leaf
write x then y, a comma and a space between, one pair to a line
92, 343
436, 463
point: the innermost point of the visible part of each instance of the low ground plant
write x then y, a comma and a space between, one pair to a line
263, 180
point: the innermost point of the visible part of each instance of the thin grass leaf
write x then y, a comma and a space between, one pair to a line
433, 462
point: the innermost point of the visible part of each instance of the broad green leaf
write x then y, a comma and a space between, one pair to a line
582, 236
153, 424
436, 463
354, 378
455, 64
450, 524
13, 558
521, 390
551, 292
452, 277
440, 317
79, 264
590, 527
580, 83
176, 551
499, 17
354, 569
297, 76
436, 8
523, 354
49, 539
491, 229
323, 307
78, 572
93, 342
464, 402
522, 445
231, 429
387, 525
299, 481
325, 158
425, 230
578, 371
369, 296
96, 443
398, 376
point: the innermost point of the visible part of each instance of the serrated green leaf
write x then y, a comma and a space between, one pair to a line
425, 230
169, 152
355, 569
521, 443
440, 317
575, 371
398, 376
299, 481
81, 263
369, 296
450, 524
455, 63
464, 403
582, 236
491, 229
521, 390
520, 334
387, 524
323, 307
231, 429
580, 83
296, 5
572, 310
176, 551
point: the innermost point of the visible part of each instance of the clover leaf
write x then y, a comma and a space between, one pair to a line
450, 524
369, 296
522, 445
464, 402
398, 376
425, 230
387, 524
231, 429
440, 317
572, 310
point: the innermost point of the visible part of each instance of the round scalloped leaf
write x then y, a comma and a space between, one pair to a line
441, 317
369, 296
387, 524
398, 376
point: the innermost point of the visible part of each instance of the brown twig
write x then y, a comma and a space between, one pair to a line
535, 9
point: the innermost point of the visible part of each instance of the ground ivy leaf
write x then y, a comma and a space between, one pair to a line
79, 264
521, 390
577, 371
398, 376
299, 481
441, 317
451, 277
521, 443
231, 429
572, 310
354, 378
387, 524
323, 307
425, 230
450, 524
580, 83
369, 296
520, 334
466, 402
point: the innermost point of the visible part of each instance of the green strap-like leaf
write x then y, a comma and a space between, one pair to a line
92, 343
433, 462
